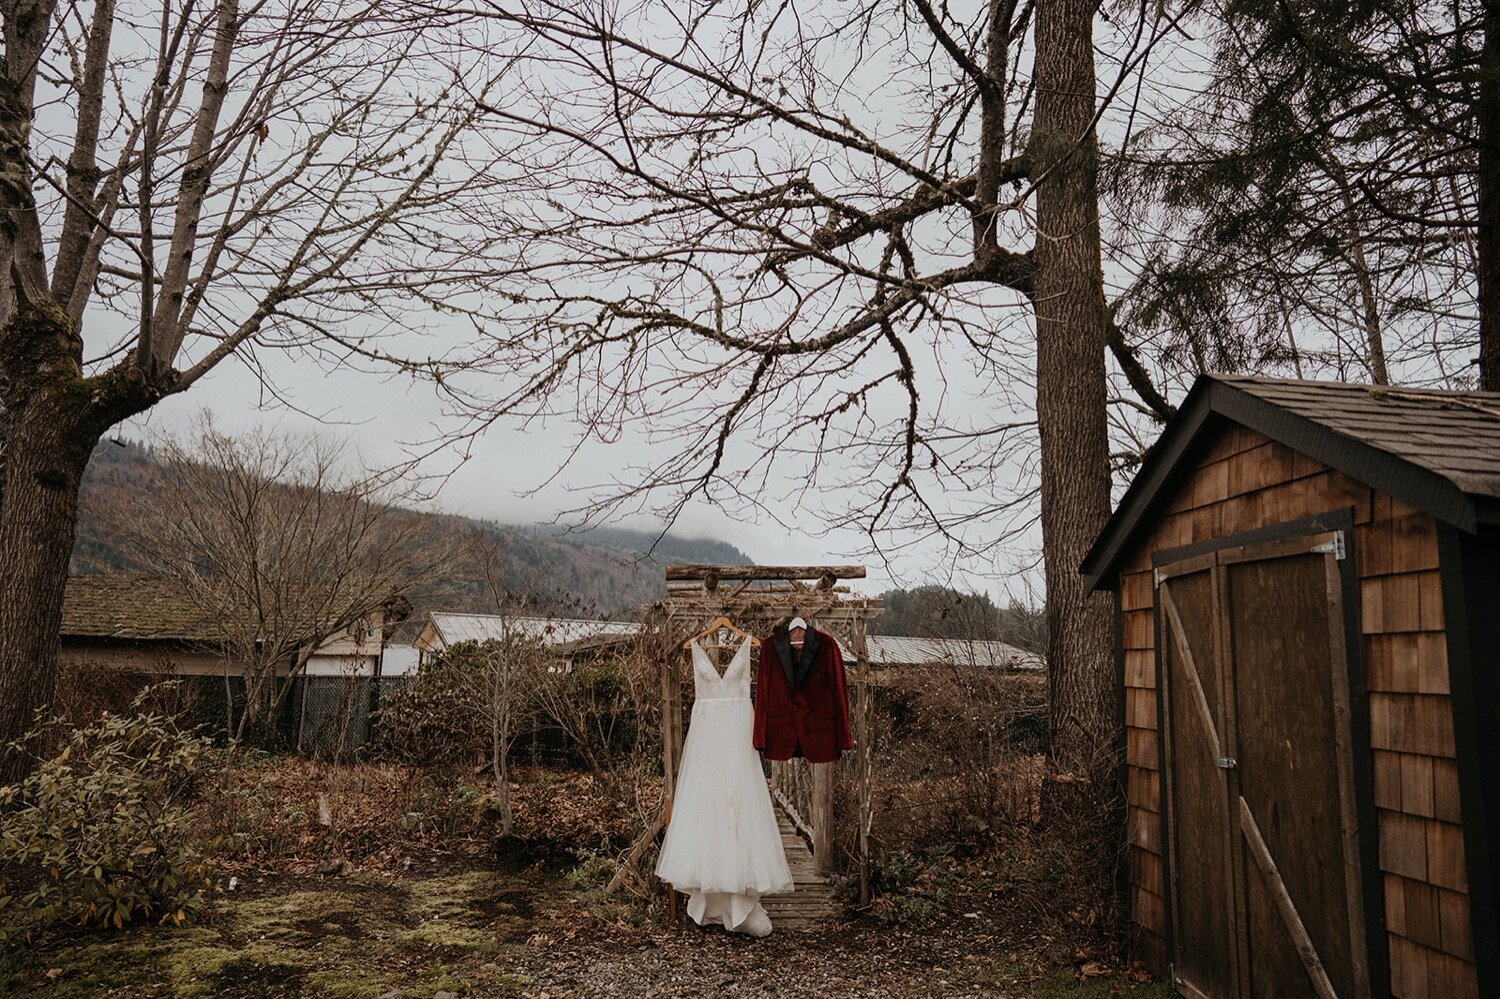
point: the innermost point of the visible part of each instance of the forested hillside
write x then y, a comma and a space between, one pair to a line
943, 612
603, 571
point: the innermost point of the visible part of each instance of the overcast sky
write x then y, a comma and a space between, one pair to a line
534, 474
506, 477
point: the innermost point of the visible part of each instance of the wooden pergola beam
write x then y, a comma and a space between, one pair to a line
765, 571
793, 588
680, 609
716, 573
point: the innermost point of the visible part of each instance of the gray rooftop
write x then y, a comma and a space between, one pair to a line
1455, 435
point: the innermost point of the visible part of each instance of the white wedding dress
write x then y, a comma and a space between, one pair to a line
722, 848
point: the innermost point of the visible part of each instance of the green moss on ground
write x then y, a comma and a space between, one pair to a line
291, 937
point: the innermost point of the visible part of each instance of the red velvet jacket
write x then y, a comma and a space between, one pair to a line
807, 713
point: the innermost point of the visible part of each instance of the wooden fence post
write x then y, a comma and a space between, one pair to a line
822, 816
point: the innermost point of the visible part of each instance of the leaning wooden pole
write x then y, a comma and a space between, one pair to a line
865, 756
669, 734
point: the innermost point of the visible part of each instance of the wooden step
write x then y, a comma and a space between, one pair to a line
812, 904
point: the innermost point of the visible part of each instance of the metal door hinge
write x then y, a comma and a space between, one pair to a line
1156, 579
1335, 547
1226, 762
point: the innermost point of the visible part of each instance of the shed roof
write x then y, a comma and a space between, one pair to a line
130, 606
152, 608
1437, 450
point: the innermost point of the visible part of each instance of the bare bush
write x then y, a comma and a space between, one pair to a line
958, 756
282, 542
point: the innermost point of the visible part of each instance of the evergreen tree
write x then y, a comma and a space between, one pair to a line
1328, 196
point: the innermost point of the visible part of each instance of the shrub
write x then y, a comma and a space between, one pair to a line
911, 889
104, 823
434, 719
593, 870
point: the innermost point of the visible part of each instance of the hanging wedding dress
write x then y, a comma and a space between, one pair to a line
722, 848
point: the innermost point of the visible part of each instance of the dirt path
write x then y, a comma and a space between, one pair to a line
841, 962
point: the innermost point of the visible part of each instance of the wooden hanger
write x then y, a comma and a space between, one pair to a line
720, 623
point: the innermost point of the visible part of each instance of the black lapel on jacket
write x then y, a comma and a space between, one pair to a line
781, 640
796, 669
809, 655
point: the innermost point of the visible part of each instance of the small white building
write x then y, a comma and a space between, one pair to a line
440, 629
894, 651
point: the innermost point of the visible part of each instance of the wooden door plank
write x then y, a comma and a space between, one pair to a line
1190, 674
1338, 659
1200, 831
1284, 905
1187, 567
1281, 548
1233, 856
1294, 752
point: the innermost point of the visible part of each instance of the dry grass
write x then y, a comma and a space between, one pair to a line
291, 814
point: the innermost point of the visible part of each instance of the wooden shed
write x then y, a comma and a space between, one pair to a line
1309, 650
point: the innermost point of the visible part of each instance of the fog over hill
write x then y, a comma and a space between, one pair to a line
607, 570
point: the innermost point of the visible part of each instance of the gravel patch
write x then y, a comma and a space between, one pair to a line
845, 961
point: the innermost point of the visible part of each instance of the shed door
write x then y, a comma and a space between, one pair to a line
1264, 830
1205, 944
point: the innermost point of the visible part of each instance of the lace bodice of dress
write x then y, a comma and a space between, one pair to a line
735, 683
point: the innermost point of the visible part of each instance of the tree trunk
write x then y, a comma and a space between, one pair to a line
1370, 315
499, 751
1488, 237
1070, 389
49, 437
53, 418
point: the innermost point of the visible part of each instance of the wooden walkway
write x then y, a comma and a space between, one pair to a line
812, 904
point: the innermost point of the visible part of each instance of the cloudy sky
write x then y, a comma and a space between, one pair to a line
537, 473
512, 475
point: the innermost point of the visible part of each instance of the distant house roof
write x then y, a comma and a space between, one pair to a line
893, 650
145, 608
568, 635
1434, 449
148, 608
443, 629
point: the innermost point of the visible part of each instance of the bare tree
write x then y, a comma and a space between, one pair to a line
501, 676
528, 671
491, 683
805, 240
282, 544
184, 183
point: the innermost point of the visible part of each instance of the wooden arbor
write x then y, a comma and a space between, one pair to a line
756, 598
